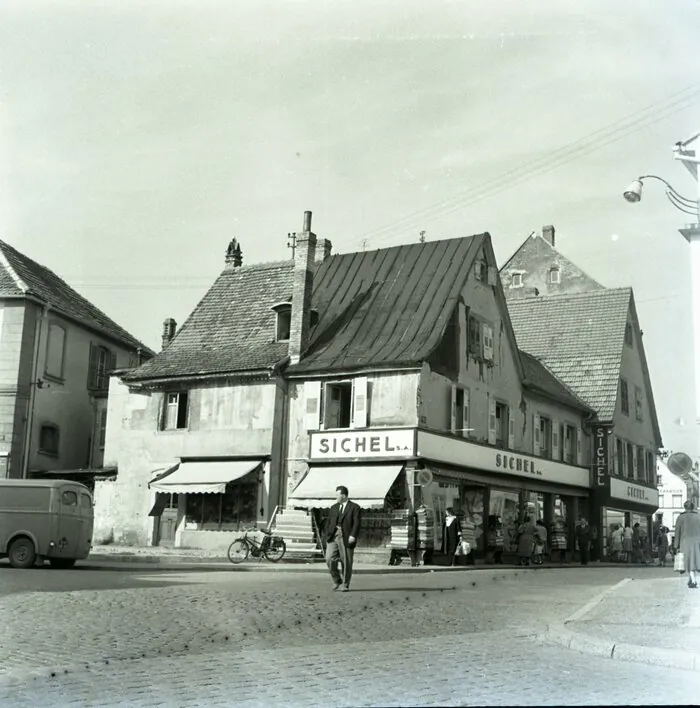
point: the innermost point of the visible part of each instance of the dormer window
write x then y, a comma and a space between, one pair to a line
554, 276
283, 310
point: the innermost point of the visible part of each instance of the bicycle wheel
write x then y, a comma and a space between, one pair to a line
238, 551
275, 549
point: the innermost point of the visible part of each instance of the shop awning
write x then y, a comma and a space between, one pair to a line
203, 477
368, 485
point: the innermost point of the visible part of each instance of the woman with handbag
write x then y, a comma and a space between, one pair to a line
687, 541
451, 535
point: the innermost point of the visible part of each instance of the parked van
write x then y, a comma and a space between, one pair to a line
45, 518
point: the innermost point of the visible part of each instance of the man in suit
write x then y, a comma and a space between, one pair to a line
340, 535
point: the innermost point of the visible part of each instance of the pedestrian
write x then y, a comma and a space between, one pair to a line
627, 536
688, 541
662, 545
340, 535
583, 539
495, 540
469, 536
451, 536
540, 542
594, 547
526, 541
616, 540
558, 540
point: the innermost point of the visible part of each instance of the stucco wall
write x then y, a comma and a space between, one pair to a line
223, 421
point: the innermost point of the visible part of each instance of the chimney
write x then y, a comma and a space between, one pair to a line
302, 283
234, 257
323, 250
169, 327
548, 235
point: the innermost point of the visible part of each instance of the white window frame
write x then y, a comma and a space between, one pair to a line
174, 405
552, 279
359, 402
520, 280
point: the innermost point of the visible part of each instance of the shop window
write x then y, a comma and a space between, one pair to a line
55, 351
102, 361
337, 411
569, 444
619, 458
641, 467
236, 508
545, 437
624, 397
502, 425
676, 501
175, 411
517, 280
49, 439
638, 403
630, 461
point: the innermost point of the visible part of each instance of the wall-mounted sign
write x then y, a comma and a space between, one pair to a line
622, 489
481, 457
601, 456
363, 444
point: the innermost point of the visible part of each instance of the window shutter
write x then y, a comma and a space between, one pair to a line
492, 275
312, 395
487, 339
92, 366
359, 402
579, 446
511, 432
555, 439
453, 410
465, 416
634, 462
492, 422
536, 434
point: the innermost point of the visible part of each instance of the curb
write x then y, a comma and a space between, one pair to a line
621, 651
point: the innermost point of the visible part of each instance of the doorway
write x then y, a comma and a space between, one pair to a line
165, 521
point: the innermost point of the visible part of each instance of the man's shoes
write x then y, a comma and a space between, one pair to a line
345, 588
336, 587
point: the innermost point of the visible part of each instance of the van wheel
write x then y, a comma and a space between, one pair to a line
62, 562
21, 553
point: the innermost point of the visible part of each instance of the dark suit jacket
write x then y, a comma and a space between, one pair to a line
349, 523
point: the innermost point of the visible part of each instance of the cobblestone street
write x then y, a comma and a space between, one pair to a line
200, 639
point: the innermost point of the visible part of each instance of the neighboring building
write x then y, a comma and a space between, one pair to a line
673, 493
394, 372
56, 350
592, 342
538, 268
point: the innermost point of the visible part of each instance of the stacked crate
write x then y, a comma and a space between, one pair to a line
426, 527
296, 527
403, 530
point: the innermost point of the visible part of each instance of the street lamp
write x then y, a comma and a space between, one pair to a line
685, 152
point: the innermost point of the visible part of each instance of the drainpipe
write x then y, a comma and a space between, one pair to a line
38, 327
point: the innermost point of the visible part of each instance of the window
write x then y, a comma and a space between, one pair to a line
101, 362
545, 437
69, 499
85, 501
638, 403
641, 467
569, 444
660, 481
175, 411
651, 469
676, 501
620, 457
502, 425
630, 461
103, 429
517, 280
55, 351
474, 345
284, 321
624, 397
461, 412
337, 411
236, 508
629, 335
481, 271
49, 439
554, 276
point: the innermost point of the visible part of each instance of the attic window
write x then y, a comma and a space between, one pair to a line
283, 324
481, 270
517, 280
554, 276
629, 339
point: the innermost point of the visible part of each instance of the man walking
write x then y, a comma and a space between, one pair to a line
583, 537
340, 535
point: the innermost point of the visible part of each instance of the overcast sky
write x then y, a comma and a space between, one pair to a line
138, 138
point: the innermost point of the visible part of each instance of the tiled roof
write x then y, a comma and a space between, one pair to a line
386, 307
539, 378
20, 276
579, 338
232, 329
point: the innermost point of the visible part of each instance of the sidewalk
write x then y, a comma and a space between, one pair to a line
655, 621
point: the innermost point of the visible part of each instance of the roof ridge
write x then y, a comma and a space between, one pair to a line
8, 267
413, 244
571, 296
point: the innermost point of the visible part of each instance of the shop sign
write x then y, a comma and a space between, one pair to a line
364, 444
601, 451
481, 457
621, 489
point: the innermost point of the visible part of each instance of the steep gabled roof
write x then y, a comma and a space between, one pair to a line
579, 338
387, 307
232, 329
540, 379
22, 277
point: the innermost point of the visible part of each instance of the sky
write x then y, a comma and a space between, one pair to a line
138, 138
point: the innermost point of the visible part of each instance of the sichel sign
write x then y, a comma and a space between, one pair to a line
600, 461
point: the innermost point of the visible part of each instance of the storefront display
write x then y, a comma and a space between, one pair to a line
505, 506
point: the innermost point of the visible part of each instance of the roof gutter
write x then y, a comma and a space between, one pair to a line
325, 374
259, 374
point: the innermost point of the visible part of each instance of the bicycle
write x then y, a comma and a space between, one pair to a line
271, 547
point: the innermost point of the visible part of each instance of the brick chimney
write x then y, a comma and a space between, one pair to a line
169, 327
548, 235
302, 283
234, 257
323, 250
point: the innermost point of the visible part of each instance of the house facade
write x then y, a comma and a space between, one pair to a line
56, 350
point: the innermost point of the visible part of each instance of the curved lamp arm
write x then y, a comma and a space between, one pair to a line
633, 193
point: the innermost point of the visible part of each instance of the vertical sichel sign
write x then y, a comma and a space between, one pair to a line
600, 461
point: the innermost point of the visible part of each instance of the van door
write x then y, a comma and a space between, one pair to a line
87, 517
70, 524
